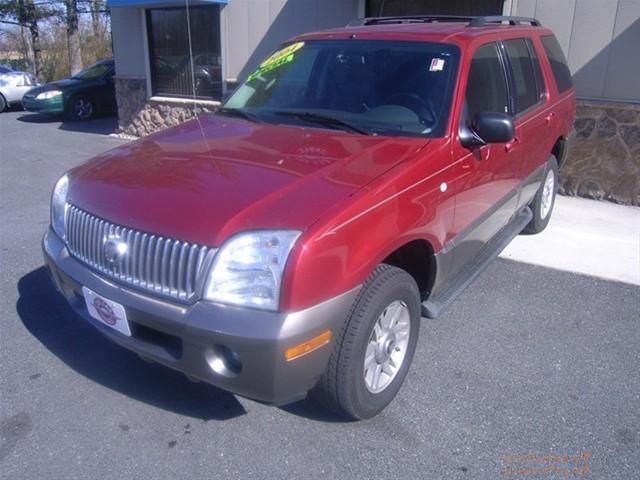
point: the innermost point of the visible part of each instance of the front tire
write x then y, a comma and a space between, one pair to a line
3, 103
545, 199
375, 348
81, 108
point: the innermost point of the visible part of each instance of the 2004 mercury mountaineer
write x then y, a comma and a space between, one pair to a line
290, 242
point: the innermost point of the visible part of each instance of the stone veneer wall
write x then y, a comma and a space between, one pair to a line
139, 116
603, 161
604, 156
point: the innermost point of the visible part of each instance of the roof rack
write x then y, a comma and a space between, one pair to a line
363, 22
470, 21
481, 21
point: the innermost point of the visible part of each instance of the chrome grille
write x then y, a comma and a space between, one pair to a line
163, 266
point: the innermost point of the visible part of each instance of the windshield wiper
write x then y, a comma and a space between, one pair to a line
239, 113
323, 119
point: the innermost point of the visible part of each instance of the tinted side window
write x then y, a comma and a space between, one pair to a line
537, 71
523, 77
487, 85
558, 63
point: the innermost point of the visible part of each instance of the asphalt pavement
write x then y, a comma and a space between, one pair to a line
528, 366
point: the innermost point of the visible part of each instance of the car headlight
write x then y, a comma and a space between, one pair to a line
59, 205
48, 94
248, 269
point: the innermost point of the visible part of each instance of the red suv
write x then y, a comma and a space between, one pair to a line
359, 178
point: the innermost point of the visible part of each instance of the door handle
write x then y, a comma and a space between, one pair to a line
512, 145
549, 118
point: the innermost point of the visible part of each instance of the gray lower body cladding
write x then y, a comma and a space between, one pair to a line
237, 349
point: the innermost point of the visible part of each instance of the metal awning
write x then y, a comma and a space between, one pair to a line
160, 3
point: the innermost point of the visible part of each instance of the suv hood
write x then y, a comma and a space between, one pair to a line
210, 178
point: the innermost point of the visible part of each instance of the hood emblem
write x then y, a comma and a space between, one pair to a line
114, 250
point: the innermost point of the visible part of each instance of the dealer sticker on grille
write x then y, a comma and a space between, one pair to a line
106, 311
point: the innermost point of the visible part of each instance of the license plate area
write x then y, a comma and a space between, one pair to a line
106, 311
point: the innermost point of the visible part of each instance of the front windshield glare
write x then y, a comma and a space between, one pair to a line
387, 88
93, 72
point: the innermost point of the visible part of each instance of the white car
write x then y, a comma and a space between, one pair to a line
13, 86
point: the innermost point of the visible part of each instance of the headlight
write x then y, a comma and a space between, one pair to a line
248, 269
59, 205
48, 94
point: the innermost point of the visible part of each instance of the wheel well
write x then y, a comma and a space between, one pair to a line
560, 150
417, 259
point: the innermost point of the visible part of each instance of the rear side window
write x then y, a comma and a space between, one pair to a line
537, 71
558, 63
526, 91
487, 85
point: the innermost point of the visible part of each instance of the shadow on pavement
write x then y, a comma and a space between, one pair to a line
47, 316
310, 409
100, 125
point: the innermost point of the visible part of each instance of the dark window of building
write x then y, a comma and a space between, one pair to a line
526, 94
386, 8
558, 62
173, 73
487, 85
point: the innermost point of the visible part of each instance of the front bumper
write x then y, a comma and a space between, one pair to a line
197, 339
52, 105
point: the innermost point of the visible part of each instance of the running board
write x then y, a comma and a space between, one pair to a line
437, 304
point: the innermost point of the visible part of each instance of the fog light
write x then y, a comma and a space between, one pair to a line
308, 346
224, 361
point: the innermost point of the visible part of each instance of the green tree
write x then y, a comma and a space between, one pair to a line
25, 14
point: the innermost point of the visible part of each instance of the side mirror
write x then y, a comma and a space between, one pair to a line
488, 127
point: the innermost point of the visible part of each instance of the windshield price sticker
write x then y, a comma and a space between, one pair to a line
279, 58
283, 52
437, 65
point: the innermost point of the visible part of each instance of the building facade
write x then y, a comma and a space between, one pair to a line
157, 86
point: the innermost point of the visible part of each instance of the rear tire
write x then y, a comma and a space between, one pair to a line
545, 199
81, 108
3, 103
374, 350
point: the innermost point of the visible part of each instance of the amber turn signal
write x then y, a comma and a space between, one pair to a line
308, 346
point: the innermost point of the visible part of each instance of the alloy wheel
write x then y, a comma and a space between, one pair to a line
387, 346
83, 108
548, 192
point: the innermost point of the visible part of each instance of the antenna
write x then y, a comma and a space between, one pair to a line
193, 82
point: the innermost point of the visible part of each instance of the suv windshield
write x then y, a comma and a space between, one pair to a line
94, 71
374, 87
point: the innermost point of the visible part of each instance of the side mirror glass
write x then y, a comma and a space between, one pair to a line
488, 127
